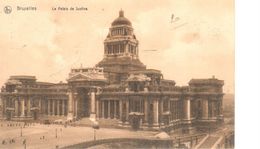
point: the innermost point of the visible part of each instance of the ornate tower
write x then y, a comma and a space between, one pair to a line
120, 51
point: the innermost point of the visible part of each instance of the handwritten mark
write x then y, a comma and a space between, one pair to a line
181, 25
174, 19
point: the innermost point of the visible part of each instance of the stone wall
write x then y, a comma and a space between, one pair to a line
147, 143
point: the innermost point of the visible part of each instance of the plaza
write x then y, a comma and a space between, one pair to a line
33, 134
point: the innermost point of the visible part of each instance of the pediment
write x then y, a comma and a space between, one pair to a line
80, 77
139, 77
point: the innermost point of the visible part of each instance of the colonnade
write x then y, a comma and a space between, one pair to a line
20, 110
55, 107
73, 104
108, 109
209, 107
23, 107
152, 109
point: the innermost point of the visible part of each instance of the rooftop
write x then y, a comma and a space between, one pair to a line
147, 71
17, 77
121, 20
206, 81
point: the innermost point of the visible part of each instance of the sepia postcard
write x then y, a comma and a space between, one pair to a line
116, 74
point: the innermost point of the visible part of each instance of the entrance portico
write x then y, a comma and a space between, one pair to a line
84, 86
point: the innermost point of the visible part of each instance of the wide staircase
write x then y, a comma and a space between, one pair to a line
104, 123
209, 142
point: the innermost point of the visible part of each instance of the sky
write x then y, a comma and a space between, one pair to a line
184, 39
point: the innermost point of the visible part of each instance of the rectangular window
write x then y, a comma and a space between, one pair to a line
165, 106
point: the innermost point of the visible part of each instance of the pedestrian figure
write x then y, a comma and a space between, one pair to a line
3, 142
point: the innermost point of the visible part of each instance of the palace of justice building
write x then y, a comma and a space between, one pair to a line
118, 87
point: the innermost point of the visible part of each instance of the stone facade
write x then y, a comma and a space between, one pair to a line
118, 87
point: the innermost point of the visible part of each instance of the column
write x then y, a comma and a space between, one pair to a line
53, 107
63, 107
103, 109
73, 106
40, 105
49, 106
127, 110
2, 110
70, 108
3, 105
58, 107
146, 110
220, 107
97, 108
205, 109
16, 107
44, 106
170, 110
191, 108
188, 109
76, 107
108, 111
161, 112
213, 107
22, 107
92, 94
120, 110
28, 107
115, 107
155, 112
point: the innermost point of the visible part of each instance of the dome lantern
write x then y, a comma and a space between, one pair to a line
121, 13
121, 20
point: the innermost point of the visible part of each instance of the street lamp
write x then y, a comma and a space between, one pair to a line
21, 131
24, 143
56, 132
95, 126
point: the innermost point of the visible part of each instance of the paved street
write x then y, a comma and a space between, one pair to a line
65, 136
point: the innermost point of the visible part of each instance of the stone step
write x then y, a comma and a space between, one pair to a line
107, 123
209, 142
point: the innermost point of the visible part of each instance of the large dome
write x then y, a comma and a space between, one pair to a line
121, 20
